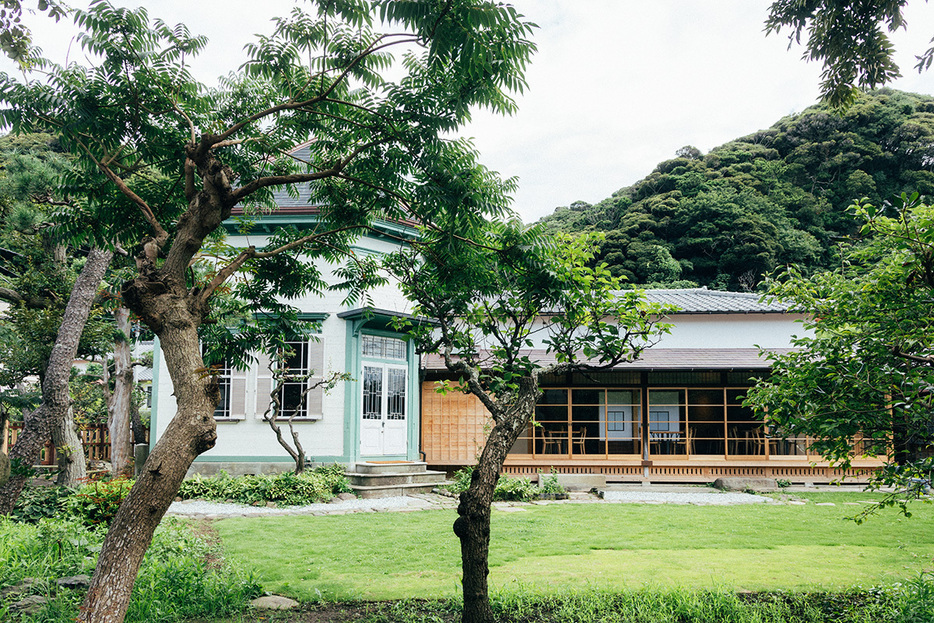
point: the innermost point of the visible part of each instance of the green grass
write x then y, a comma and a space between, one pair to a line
607, 547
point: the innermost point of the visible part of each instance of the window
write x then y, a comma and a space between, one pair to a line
295, 371
380, 347
222, 371
372, 392
395, 395
594, 421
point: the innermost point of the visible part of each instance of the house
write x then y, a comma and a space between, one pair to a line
675, 414
357, 340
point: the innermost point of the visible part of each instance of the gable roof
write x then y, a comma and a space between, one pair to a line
704, 301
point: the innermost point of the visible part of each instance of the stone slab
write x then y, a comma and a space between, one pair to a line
274, 602
746, 484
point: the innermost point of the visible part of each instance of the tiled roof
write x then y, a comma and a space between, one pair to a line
665, 359
704, 301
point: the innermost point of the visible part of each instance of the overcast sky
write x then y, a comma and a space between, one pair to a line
616, 86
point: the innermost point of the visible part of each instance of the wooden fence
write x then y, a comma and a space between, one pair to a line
96, 441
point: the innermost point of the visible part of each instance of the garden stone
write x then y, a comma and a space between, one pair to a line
74, 581
825, 504
274, 602
346, 497
271, 505
29, 605
27, 584
745, 484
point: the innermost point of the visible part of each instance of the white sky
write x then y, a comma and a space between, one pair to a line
616, 86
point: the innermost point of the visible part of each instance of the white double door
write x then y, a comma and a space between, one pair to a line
383, 428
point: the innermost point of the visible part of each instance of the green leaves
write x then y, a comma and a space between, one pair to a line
865, 371
850, 40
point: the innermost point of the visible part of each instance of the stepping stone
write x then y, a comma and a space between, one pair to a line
29, 605
274, 602
797, 503
74, 581
825, 504
24, 586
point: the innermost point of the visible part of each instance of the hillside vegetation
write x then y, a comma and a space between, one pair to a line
778, 196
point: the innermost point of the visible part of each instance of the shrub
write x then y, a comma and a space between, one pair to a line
507, 489
96, 503
288, 489
181, 577
551, 485
38, 502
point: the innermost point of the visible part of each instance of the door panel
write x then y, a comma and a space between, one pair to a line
384, 429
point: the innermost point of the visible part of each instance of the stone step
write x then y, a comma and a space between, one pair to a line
425, 477
391, 467
384, 491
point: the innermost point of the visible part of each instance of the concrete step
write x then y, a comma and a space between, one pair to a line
390, 467
384, 491
424, 477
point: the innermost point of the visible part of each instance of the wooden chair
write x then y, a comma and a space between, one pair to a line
551, 441
578, 437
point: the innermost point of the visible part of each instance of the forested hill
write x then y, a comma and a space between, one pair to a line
776, 197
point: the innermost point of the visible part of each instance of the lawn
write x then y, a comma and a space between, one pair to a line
607, 546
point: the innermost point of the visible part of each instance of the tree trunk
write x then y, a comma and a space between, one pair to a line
136, 424
120, 401
472, 526
69, 451
191, 432
55, 400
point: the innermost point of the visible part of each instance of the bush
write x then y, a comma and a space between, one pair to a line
96, 503
38, 502
507, 489
551, 485
181, 576
319, 484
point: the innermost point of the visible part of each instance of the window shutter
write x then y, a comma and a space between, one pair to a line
315, 402
263, 386
237, 394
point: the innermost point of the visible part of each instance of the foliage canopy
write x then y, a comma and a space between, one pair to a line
773, 198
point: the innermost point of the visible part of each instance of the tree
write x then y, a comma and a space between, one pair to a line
863, 377
39, 271
849, 38
52, 411
161, 162
15, 38
489, 302
789, 184
281, 409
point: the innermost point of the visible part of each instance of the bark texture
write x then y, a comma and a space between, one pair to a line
69, 451
55, 403
119, 404
472, 525
191, 432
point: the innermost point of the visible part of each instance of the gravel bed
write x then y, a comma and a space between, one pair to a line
204, 507
702, 498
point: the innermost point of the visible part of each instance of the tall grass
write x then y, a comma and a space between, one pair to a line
529, 604
180, 578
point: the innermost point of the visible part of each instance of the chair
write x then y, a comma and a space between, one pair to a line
758, 441
551, 441
578, 437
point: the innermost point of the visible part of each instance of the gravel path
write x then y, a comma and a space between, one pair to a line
213, 510
701, 498
343, 507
